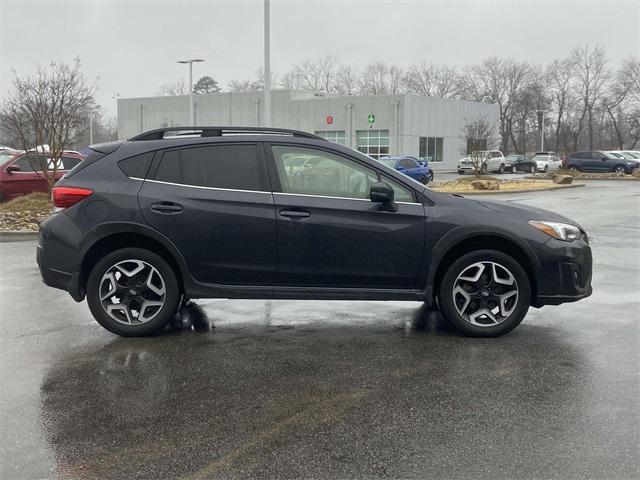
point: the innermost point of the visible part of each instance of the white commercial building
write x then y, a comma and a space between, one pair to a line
425, 127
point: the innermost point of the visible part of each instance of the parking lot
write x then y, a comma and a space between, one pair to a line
302, 389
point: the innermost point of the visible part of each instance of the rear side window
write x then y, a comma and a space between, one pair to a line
236, 167
136, 166
69, 162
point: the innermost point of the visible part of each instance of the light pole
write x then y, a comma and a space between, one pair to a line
267, 64
192, 113
541, 124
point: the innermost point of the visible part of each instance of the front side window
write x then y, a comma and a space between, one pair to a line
406, 163
400, 193
235, 167
309, 171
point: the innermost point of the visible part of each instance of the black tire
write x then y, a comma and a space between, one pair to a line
460, 172
573, 168
620, 169
423, 179
546, 168
532, 169
501, 169
431, 176
447, 285
483, 169
163, 315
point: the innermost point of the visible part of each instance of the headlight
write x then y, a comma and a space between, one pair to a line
561, 231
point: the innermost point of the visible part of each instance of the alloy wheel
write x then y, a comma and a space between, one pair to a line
132, 292
620, 169
485, 294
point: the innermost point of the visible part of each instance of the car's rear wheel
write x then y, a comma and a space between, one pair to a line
532, 169
485, 293
620, 169
132, 292
546, 168
514, 169
501, 169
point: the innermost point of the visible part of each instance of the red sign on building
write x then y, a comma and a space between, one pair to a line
329, 119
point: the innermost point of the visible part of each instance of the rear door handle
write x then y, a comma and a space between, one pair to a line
167, 208
295, 213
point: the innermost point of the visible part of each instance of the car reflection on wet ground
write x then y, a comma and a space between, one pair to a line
330, 389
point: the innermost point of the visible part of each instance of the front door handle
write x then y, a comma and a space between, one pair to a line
167, 208
295, 213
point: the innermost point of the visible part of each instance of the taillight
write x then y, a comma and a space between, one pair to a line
65, 197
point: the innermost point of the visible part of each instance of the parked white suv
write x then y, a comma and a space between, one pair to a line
493, 162
547, 161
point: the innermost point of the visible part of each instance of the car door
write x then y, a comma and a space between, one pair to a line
214, 202
409, 168
331, 235
26, 180
600, 162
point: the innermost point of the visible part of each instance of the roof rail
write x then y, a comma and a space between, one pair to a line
160, 133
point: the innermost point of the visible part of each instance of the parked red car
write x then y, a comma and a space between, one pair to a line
17, 176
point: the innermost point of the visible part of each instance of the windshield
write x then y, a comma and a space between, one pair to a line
4, 157
389, 162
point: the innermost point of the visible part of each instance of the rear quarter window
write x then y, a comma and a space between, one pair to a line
136, 166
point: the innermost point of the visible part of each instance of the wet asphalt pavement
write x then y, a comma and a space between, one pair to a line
295, 389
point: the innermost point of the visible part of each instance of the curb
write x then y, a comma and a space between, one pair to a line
586, 179
18, 236
530, 190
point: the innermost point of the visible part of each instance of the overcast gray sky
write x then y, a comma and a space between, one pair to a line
132, 46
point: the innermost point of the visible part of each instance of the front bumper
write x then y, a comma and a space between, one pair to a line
565, 274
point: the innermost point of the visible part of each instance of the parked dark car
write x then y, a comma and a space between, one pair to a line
598, 161
19, 177
410, 166
147, 223
519, 163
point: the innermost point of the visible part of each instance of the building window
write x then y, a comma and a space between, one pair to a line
337, 136
431, 149
374, 143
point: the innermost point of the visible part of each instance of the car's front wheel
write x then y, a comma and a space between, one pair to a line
485, 293
532, 169
514, 169
132, 292
423, 179
620, 169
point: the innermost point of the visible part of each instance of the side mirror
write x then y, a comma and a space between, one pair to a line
399, 167
12, 168
381, 192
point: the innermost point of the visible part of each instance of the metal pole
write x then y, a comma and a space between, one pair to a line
191, 110
91, 129
542, 134
267, 65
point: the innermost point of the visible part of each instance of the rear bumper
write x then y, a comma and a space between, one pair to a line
68, 281
565, 275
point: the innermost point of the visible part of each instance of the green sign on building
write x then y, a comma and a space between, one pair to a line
371, 118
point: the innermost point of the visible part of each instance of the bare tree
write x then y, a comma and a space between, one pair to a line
396, 80
374, 79
559, 77
502, 80
46, 111
254, 84
479, 136
347, 80
622, 105
179, 87
592, 75
431, 80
